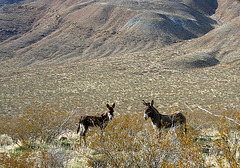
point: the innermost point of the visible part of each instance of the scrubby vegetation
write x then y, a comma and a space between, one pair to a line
39, 123
128, 141
39, 105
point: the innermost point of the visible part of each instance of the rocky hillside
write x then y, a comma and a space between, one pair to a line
56, 31
16, 19
223, 41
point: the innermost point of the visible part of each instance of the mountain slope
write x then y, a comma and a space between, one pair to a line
222, 42
67, 31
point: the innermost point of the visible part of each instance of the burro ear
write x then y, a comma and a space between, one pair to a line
152, 103
113, 105
144, 102
108, 106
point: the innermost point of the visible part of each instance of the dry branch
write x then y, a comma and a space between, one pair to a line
220, 116
60, 128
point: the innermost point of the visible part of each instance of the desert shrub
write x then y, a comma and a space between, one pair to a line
228, 144
127, 141
29, 158
132, 142
223, 147
39, 123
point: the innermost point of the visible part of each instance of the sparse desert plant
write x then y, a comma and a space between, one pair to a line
39, 123
131, 142
228, 144
29, 158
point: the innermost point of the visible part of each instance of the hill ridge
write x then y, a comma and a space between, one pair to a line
69, 31
90, 29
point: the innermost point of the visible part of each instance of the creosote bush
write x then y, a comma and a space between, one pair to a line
228, 145
29, 158
130, 141
39, 123
127, 141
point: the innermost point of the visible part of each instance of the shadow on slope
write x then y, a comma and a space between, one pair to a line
224, 39
194, 60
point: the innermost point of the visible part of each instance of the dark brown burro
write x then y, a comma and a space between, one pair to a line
160, 121
101, 121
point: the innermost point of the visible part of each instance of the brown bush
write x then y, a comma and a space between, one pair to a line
39, 123
127, 141
130, 141
30, 158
